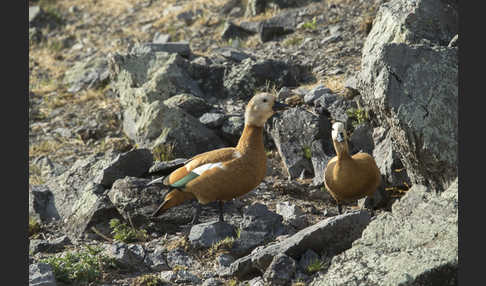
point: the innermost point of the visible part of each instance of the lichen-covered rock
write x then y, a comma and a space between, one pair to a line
403, 57
191, 104
415, 244
88, 73
206, 234
41, 274
41, 203
281, 270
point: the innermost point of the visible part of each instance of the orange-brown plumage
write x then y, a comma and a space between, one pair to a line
235, 170
349, 178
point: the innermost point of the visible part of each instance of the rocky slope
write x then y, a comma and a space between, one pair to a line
121, 92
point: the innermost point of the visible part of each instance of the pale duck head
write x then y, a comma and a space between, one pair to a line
261, 107
338, 132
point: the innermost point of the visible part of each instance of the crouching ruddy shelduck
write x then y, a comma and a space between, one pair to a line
348, 178
226, 173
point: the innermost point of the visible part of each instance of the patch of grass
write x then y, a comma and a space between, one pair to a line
35, 175
311, 25
179, 268
357, 115
124, 233
292, 41
366, 24
226, 243
163, 152
315, 266
307, 152
44, 148
232, 282
335, 83
299, 284
180, 242
148, 280
34, 226
84, 266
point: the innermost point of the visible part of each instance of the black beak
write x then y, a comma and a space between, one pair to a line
340, 137
279, 106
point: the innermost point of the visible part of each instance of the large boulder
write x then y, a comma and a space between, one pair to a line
415, 244
144, 79
409, 80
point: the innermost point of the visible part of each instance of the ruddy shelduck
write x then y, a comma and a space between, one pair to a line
225, 173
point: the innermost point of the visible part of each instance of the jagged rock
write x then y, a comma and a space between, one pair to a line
89, 73
386, 255
388, 160
191, 104
292, 214
361, 140
124, 256
178, 257
225, 260
244, 78
277, 26
144, 80
134, 200
232, 31
41, 274
166, 167
281, 270
181, 48
48, 246
232, 53
160, 38
156, 260
204, 235
39, 18
180, 276
232, 129
132, 163
41, 204
257, 281
212, 120
333, 235
257, 217
35, 35
419, 111
208, 74
315, 93
297, 133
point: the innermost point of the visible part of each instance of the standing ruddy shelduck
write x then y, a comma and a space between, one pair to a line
226, 173
348, 178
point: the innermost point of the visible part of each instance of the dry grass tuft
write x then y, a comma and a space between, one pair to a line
335, 83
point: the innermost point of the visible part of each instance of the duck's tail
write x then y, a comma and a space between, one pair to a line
172, 199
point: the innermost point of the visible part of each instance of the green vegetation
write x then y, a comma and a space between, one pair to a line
226, 243
86, 265
315, 266
148, 280
163, 152
292, 41
357, 115
233, 282
34, 226
311, 25
124, 233
307, 152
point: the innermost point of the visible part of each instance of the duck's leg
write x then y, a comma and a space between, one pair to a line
197, 212
221, 211
340, 208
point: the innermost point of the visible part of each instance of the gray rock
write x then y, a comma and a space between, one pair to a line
92, 72
232, 129
178, 257
232, 31
307, 259
292, 214
134, 200
388, 160
393, 78
281, 270
212, 120
294, 132
124, 256
361, 140
257, 218
39, 18
155, 77
204, 235
248, 240
35, 35
160, 38
325, 100
315, 93
244, 78
277, 26
156, 260
41, 274
181, 276
232, 53
225, 260
386, 255
133, 163
166, 167
331, 39
333, 235
41, 204
181, 48
212, 282
191, 104
257, 281
48, 246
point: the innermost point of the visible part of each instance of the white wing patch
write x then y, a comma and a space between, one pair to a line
201, 169
236, 154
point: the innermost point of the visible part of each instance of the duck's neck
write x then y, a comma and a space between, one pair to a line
251, 139
342, 150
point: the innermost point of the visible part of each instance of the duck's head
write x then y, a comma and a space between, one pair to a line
261, 107
338, 132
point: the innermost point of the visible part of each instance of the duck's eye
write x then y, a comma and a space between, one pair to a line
264, 100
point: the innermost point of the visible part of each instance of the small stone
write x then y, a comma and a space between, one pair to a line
206, 234
212, 120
